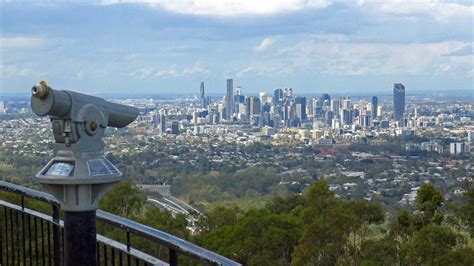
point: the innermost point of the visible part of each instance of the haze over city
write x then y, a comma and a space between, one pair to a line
170, 47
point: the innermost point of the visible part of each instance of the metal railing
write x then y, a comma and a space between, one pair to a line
29, 237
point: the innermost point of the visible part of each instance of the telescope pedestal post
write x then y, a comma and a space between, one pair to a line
80, 244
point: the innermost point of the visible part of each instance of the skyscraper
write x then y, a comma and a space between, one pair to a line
398, 101
229, 98
2, 107
253, 105
175, 127
300, 105
203, 97
277, 96
375, 104
325, 97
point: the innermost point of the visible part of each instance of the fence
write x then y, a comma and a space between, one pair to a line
29, 237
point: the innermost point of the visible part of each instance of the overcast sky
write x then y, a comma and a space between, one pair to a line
164, 47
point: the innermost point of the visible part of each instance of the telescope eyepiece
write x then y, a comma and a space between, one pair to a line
40, 90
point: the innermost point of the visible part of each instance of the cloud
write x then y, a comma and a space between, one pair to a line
264, 44
348, 58
19, 71
229, 8
196, 68
437, 10
170, 72
466, 50
20, 42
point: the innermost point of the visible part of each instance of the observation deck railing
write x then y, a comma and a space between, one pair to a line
29, 237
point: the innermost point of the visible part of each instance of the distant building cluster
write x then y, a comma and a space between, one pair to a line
284, 116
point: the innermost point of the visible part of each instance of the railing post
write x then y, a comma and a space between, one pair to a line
173, 257
80, 241
56, 241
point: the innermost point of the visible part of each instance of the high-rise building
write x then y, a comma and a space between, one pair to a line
175, 128
325, 97
163, 124
2, 107
335, 105
203, 97
398, 101
263, 97
238, 90
375, 104
229, 98
300, 105
277, 96
253, 105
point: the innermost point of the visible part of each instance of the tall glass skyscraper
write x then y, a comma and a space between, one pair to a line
229, 97
203, 97
398, 101
375, 104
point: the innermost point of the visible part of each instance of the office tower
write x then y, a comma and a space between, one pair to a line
238, 90
277, 101
398, 101
288, 92
346, 103
335, 105
278, 96
253, 105
300, 107
203, 97
2, 107
375, 104
229, 98
175, 127
239, 99
263, 97
265, 107
346, 116
325, 97
163, 124
328, 117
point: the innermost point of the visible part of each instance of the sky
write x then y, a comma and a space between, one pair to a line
169, 47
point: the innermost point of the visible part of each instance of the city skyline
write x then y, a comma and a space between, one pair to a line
170, 47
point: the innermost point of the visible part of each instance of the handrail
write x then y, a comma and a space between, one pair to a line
28, 192
173, 243
165, 239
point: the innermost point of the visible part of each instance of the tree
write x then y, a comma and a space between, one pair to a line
379, 252
466, 210
217, 218
429, 200
259, 237
430, 243
125, 199
327, 224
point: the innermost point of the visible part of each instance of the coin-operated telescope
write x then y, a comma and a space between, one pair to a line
79, 174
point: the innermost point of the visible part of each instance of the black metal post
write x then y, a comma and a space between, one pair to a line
80, 238
56, 233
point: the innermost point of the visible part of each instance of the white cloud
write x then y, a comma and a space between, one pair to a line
170, 72
439, 11
20, 42
196, 68
166, 73
342, 58
264, 44
225, 8
19, 71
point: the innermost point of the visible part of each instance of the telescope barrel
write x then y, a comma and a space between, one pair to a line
46, 101
120, 115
